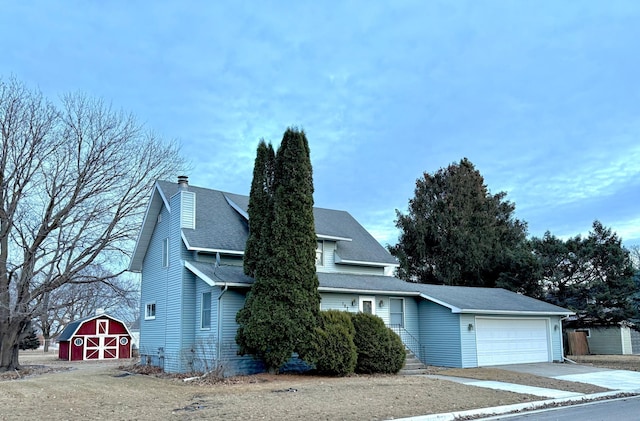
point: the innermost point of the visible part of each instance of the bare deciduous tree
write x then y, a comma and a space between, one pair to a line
74, 180
85, 297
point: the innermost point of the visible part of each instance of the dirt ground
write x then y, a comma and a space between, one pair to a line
91, 390
616, 362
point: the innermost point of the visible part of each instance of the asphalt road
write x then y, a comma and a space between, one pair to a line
614, 409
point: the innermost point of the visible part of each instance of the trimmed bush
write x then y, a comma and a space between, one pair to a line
334, 352
396, 354
343, 318
379, 349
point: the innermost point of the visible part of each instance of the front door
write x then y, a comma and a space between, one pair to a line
368, 305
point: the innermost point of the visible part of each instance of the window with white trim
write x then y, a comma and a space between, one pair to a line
319, 253
165, 252
102, 327
396, 312
150, 311
205, 311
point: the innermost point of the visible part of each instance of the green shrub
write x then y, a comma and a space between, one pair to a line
343, 318
379, 349
333, 351
396, 353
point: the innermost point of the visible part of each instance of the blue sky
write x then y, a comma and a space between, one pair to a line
543, 97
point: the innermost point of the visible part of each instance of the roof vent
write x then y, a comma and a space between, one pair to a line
183, 181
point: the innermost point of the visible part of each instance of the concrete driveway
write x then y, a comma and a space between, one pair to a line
622, 380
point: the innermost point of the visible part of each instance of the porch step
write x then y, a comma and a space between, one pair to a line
413, 366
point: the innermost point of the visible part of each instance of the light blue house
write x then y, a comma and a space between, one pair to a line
190, 250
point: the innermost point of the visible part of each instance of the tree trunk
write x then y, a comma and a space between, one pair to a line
12, 333
46, 335
9, 350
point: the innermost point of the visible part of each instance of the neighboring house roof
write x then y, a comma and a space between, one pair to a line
71, 329
458, 299
221, 225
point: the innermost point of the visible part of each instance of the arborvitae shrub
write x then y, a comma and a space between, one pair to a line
379, 349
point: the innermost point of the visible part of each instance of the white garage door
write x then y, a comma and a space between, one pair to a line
512, 341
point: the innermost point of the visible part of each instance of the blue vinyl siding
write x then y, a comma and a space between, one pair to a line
557, 353
154, 289
440, 335
411, 317
330, 264
206, 340
331, 301
230, 303
175, 334
468, 348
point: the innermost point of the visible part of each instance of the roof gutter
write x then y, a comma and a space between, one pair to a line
511, 312
367, 291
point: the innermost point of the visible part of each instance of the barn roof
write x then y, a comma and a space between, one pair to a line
71, 329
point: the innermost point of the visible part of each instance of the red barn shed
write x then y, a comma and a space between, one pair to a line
98, 337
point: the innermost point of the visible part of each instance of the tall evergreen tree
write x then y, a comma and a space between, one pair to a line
457, 233
281, 311
592, 276
260, 205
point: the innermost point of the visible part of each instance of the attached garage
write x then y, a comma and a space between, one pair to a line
99, 337
512, 341
475, 327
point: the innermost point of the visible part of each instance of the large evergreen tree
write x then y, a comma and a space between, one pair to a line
260, 205
593, 276
281, 310
457, 233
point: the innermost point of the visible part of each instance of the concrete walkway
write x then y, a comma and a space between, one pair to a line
619, 381
512, 387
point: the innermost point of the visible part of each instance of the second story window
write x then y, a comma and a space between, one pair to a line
165, 253
319, 253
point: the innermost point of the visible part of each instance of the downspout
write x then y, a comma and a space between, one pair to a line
564, 358
219, 347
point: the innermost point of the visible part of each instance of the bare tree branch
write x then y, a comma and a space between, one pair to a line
73, 187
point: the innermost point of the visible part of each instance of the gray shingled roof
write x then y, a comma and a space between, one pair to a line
220, 227
458, 299
471, 300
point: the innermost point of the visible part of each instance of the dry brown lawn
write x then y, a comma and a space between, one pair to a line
92, 390
96, 390
616, 362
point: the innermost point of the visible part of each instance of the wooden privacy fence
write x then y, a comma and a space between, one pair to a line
578, 344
